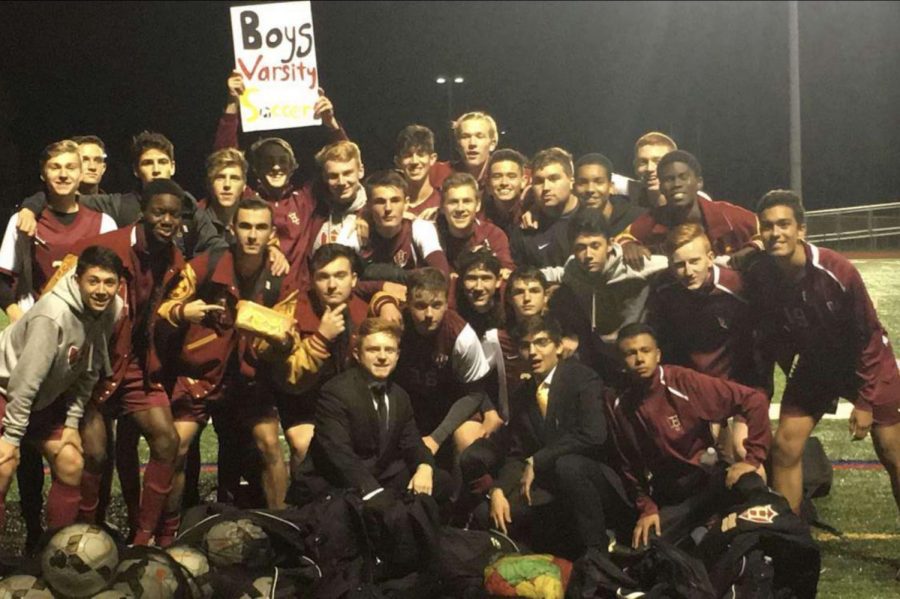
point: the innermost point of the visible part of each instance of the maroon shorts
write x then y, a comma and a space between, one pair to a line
43, 425
187, 408
133, 395
295, 410
814, 390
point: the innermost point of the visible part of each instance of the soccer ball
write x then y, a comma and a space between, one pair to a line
195, 563
146, 573
262, 587
237, 542
23, 586
79, 560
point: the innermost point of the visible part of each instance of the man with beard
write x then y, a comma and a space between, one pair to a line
555, 205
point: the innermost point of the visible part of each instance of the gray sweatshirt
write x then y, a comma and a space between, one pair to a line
55, 352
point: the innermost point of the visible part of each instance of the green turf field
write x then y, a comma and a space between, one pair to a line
862, 564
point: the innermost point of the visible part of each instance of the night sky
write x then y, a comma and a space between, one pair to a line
585, 76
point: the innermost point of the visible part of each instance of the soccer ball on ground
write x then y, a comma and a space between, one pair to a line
146, 573
79, 560
196, 564
237, 542
23, 586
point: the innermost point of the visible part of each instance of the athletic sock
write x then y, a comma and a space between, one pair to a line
157, 485
62, 504
167, 529
90, 497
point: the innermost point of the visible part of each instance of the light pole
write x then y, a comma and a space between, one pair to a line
442, 80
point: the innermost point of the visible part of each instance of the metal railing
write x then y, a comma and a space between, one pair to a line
873, 227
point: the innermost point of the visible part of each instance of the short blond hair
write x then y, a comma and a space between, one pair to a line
222, 159
684, 234
64, 146
654, 138
339, 151
476, 115
373, 326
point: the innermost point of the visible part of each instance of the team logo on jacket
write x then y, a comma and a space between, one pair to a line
294, 218
73, 355
401, 258
761, 514
675, 423
440, 360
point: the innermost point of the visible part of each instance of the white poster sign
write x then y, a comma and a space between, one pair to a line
275, 51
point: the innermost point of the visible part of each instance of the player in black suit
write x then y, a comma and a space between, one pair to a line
366, 437
558, 446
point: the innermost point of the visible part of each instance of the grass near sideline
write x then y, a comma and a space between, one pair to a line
862, 564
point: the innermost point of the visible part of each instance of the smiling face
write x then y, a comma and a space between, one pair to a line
679, 184
162, 217
593, 185
645, 162
98, 287
506, 180
427, 310
541, 352
460, 205
154, 164
276, 165
378, 354
334, 282
780, 232
62, 174
480, 285
416, 164
641, 355
692, 262
342, 179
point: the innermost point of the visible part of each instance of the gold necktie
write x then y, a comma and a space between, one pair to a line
543, 398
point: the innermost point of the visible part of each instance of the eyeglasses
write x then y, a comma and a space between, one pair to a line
540, 343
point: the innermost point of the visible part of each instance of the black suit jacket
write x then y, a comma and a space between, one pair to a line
346, 448
575, 424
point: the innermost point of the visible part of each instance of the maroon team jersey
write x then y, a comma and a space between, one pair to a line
728, 227
431, 202
54, 239
438, 369
485, 235
415, 246
828, 321
661, 428
709, 329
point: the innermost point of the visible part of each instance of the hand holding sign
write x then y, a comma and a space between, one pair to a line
324, 110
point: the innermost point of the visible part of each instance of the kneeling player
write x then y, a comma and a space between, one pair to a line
44, 384
661, 425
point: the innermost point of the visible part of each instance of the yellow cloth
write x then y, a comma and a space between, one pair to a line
543, 398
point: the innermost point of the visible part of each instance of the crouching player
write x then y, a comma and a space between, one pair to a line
50, 360
661, 423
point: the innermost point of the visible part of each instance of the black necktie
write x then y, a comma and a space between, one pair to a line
378, 392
